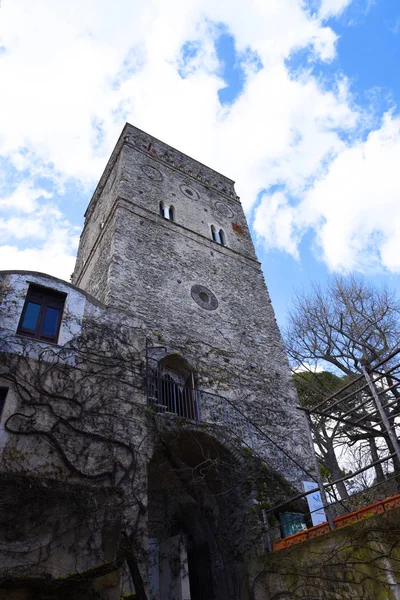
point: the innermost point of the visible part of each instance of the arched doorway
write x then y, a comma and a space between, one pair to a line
171, 385
197, 517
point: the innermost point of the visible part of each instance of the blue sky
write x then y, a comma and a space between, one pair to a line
297, 101
368, 53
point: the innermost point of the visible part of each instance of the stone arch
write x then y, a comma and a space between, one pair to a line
197, 512
176, 363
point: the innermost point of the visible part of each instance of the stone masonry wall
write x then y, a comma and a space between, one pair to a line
72, 424
236, 349
361, 561
145, 178
149, 265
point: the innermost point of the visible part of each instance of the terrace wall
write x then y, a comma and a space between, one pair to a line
360, 561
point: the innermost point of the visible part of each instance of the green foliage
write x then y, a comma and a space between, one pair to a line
312, 387
326, 474
247, 452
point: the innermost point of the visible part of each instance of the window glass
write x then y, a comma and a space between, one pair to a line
50, 321
31, 315
41, 316
218, 236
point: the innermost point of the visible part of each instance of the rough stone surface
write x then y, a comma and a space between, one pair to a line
132, 258
358, 562
149, 293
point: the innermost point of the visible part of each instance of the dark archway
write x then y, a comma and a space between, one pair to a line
199, 504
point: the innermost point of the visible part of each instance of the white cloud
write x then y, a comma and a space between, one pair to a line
61, 58
353, 208
24, 198
52, 259
331, 8
49, 240
358, 203
395, 26
73, 72
276, 221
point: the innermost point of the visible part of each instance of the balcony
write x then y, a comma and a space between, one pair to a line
168, 397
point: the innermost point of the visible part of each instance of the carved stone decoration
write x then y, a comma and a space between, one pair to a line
204, 297
224, 210
152, 173
189, 192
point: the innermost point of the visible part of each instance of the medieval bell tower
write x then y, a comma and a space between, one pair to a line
166, 238
166, 242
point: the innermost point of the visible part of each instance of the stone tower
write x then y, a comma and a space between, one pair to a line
166, 238
159, 385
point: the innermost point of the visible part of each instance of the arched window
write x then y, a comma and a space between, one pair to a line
162, 210
171, 213
218, 236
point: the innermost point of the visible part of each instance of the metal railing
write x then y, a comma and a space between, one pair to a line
167, 396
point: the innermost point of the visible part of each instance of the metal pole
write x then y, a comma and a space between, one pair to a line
267, 541
318, 474
327, 485
382, 413
197, 393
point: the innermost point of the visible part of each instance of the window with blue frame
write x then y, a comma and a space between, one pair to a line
42, 313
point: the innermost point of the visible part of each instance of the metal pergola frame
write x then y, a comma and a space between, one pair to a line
368, 398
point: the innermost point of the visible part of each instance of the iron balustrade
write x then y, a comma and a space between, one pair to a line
167, 396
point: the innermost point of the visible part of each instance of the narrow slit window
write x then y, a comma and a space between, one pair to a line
214, 233
162, 210
42, 313
171, 212
222, 240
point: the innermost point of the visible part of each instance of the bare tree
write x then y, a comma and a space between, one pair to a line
343, 327
328, 435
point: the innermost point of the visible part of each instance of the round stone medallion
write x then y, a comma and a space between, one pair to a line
189, 192
152, 173
224, 210
204, 297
